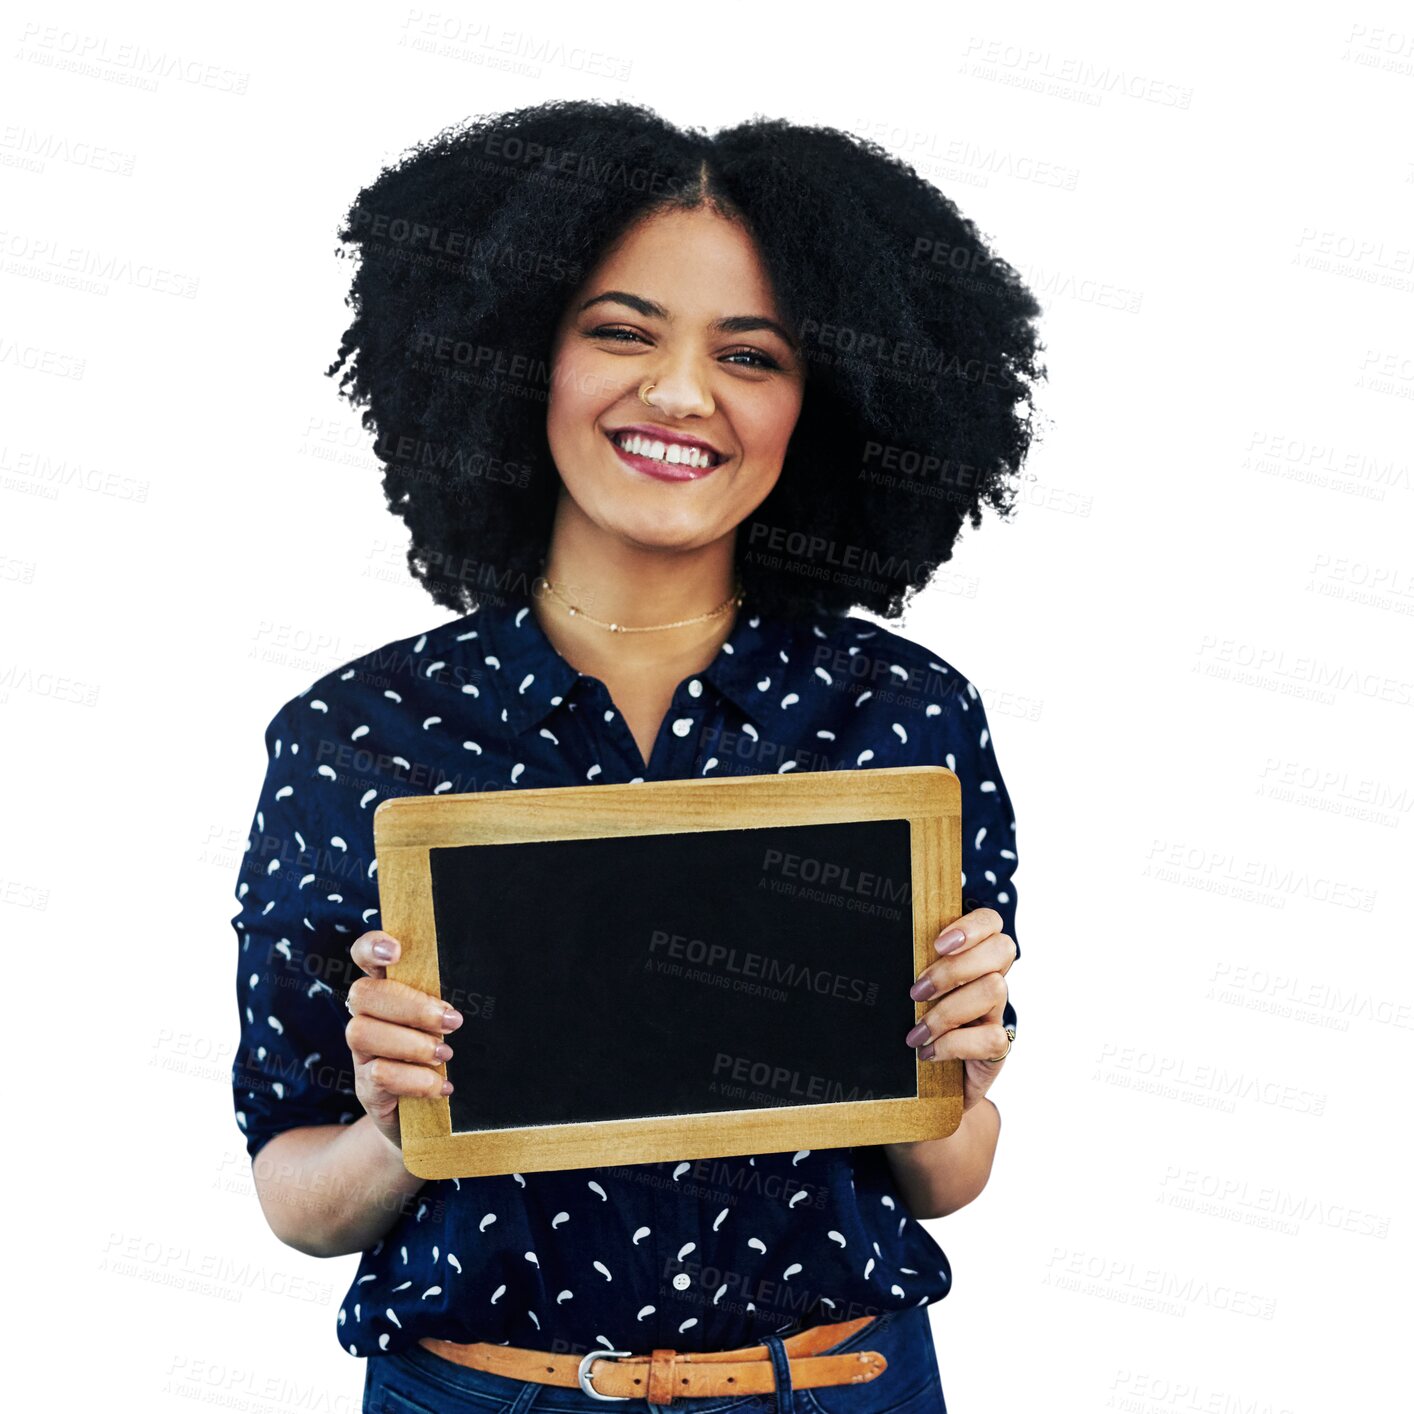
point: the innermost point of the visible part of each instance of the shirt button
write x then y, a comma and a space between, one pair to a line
682, 1281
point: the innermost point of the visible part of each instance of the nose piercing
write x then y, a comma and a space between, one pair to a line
644, 391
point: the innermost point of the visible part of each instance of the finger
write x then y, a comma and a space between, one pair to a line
374, 950
994, 954
979, 1000
395, 1077
368, 1037
983, 1043
388, 1000
969, 930
992, 1023
984, 1038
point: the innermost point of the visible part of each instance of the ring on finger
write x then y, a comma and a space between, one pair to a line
1010, 1037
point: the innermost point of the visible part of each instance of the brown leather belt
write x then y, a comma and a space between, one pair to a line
665, 1373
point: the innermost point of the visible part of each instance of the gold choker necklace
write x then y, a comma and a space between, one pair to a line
737, 597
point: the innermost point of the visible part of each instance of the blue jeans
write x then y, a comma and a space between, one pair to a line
415, 1381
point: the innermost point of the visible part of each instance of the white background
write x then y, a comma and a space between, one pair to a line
1194, 643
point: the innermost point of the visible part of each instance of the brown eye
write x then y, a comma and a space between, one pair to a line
766, 360
614, 333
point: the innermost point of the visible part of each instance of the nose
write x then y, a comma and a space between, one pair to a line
680, 388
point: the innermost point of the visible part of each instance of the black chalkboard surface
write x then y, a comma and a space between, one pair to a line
729, 984
674, 969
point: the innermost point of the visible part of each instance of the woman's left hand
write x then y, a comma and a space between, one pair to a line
969, 983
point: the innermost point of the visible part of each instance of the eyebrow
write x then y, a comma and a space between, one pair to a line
731, 324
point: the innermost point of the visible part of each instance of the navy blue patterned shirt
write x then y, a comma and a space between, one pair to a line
700, 1255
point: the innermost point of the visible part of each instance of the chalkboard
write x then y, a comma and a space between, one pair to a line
674, 969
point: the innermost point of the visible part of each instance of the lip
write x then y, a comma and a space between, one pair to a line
664, 471
666, 434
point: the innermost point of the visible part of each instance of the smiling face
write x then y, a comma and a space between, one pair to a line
683, 302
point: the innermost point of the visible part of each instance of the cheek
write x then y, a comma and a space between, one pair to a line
768, 433
575, 399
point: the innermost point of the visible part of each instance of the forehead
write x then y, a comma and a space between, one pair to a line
696, 263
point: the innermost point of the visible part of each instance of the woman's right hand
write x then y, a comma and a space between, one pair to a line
395, 1035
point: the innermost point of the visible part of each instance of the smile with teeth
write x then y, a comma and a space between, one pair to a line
673, 453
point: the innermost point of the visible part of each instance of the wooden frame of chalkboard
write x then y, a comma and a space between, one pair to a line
609, 1007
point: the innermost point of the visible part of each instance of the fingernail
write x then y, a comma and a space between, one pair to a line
922, 989
446, 1087
384, 950
926, 1052
918, 1035
443, 1052
951, 941
451, 1018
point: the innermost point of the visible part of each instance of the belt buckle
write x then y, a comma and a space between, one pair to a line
586, 1380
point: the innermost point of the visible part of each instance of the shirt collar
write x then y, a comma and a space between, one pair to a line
747, 670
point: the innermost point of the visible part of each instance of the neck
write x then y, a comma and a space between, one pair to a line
636, 587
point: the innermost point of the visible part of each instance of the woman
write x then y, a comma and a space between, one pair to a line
769, 401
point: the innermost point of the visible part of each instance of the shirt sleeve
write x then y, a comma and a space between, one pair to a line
988, 825
292, 1065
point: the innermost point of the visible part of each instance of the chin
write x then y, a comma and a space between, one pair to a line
659, 533
654, 538
646, 516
